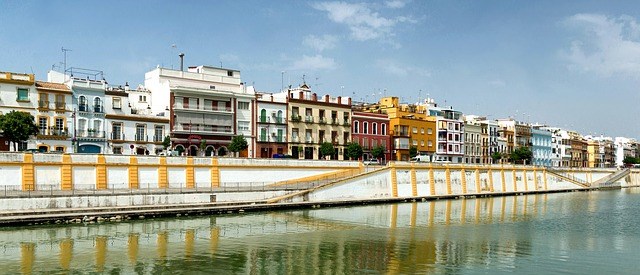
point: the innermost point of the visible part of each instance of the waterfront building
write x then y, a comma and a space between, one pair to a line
507, 130
314, 120
207, 107
624, 147
410, 126
541, 147
271, 124
17, 93
371, 129
133, 128
54, 117
88, 116
578, 150
472, 140
503, 146
450, 132
489, 135
601, 152
560, 146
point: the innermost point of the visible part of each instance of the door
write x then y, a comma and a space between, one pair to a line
89, 149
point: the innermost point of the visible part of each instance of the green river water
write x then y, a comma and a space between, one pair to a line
567, 233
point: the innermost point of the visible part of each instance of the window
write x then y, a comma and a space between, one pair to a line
421, 142
429, 143
59, 149
243, 105
140, 132
116, 131
97, 105
23, 94
365, 127
142, 98
158, 133
414, 130
384, 129
422, 130
229, 73
415, 142
374, 128
243, 126
42, 125
117, 150
429, 131
116, 101
356, 126
59, 123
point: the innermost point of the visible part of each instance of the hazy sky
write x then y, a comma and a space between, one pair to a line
572, 64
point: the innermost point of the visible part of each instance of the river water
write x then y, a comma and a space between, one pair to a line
570, 233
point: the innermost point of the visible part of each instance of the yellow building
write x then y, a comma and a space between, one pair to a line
409, 124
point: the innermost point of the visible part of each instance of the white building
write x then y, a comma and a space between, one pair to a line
271, 126
17, 93
207, 107
450, 132
132, 128
560, 146
624, 147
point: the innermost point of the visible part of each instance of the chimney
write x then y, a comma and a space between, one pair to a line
326, 98
349, 101
339, 100
301, 95
181, 55
314, 97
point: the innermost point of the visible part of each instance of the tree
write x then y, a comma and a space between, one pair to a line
238, 143
17, 127
166, 142
354, 150
521, 155
496, 156
326, 149
630, 160
378, 151
413, 151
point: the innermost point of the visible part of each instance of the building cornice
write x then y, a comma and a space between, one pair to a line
137, 118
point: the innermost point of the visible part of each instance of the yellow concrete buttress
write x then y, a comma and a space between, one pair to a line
66, 176
432, 181
447, 173
163, 181
133, 173
101, 173
414, 185
394, 180
28, 173
463, 178
190, 173
215, 173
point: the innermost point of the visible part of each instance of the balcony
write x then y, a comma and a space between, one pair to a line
309, 140
53, 132
143, 138
179, 106
43, 104
117, 136
263, 138
60, 105
97, 109
90, 133
295, 118
203, 128
83, 108
335, 121
322, 120
346, 123
308, 119
295, 139
264, 119
158, 138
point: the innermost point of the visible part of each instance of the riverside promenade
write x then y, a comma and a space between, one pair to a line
57, 188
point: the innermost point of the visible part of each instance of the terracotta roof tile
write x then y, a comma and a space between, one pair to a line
52, 86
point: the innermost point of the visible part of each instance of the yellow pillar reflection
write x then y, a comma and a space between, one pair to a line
463, 212
394, 216
189, 239
214, 238
447, 212
27, 257
503, 207
414, 213
432, 212
477, 212
66, 253
514, 208
132, 248
491, 199
101, 252
161, 243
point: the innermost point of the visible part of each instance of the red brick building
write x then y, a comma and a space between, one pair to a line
370, 130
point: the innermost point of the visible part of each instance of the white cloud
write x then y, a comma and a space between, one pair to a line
607, 46
395, 4
401, 70
311, 63
320, 43
363, 23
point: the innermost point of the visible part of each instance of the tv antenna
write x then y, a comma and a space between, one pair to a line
64, 51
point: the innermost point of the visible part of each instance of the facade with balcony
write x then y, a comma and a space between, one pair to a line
560, 146
17, 93
450, 133
89, 114
472, 141
370, 130
314, 120
541, 150
207, 106
131, 130
53, 117
271, 126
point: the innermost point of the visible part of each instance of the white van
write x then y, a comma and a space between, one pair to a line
421, 158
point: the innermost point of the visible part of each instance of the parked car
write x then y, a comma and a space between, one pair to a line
421, 158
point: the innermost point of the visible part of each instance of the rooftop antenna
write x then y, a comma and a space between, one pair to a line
64, 51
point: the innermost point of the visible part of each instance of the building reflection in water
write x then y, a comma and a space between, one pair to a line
417, 237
